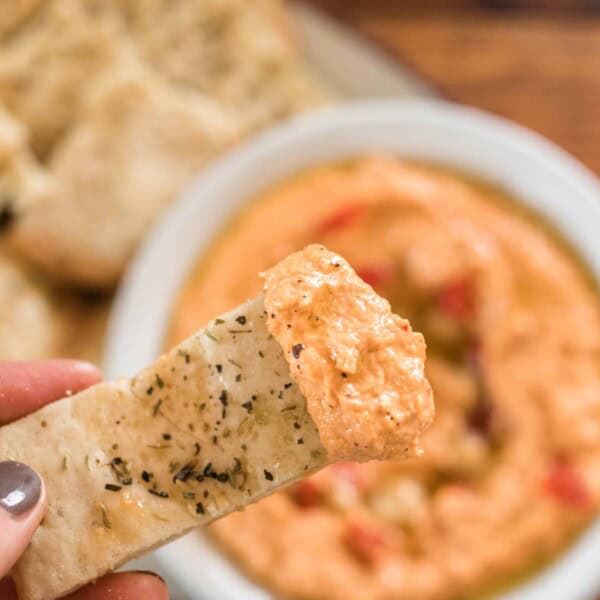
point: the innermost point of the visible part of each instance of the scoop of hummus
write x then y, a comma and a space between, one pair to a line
360, 367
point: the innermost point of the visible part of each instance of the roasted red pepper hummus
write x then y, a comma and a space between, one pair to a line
511, 467
360, 367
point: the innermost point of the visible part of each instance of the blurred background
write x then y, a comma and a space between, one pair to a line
534, 61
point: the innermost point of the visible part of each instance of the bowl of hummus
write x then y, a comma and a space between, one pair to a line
484, 235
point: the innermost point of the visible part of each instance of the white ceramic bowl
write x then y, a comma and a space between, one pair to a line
542, 175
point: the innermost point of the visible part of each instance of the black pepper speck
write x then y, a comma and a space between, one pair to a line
223, 397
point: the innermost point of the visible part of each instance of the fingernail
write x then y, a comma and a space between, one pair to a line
151, 573
20, 487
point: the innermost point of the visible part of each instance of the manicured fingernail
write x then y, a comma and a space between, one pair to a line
20, 487
151, 573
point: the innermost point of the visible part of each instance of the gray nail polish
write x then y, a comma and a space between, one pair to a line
151, 573
20, 487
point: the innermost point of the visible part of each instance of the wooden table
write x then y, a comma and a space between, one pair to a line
535, 61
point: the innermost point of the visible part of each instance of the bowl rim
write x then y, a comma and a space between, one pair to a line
499, 150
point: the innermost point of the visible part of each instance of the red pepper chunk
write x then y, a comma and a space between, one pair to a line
457, 299
376, 274
364, 541
566, 485
345, 216
307, 494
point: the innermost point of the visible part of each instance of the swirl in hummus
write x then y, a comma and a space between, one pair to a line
510, 472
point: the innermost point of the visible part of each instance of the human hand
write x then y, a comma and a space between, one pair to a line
25, 387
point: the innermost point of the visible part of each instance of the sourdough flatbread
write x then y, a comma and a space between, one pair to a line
14, 13
23, 181
46, 64
29, 318
124, 112
13, 136
37, 321
243, 54
30, 325
213, 425
136, 146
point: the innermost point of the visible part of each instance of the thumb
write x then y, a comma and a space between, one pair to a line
22, 499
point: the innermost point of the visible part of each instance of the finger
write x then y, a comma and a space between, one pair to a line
22, 500
26, 386
124, 586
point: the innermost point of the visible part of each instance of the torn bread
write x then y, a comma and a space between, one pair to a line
46, 64
23, 181
218, 422
136, 146
243, 54
14, 13
29, 319
37, 321
124, 113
